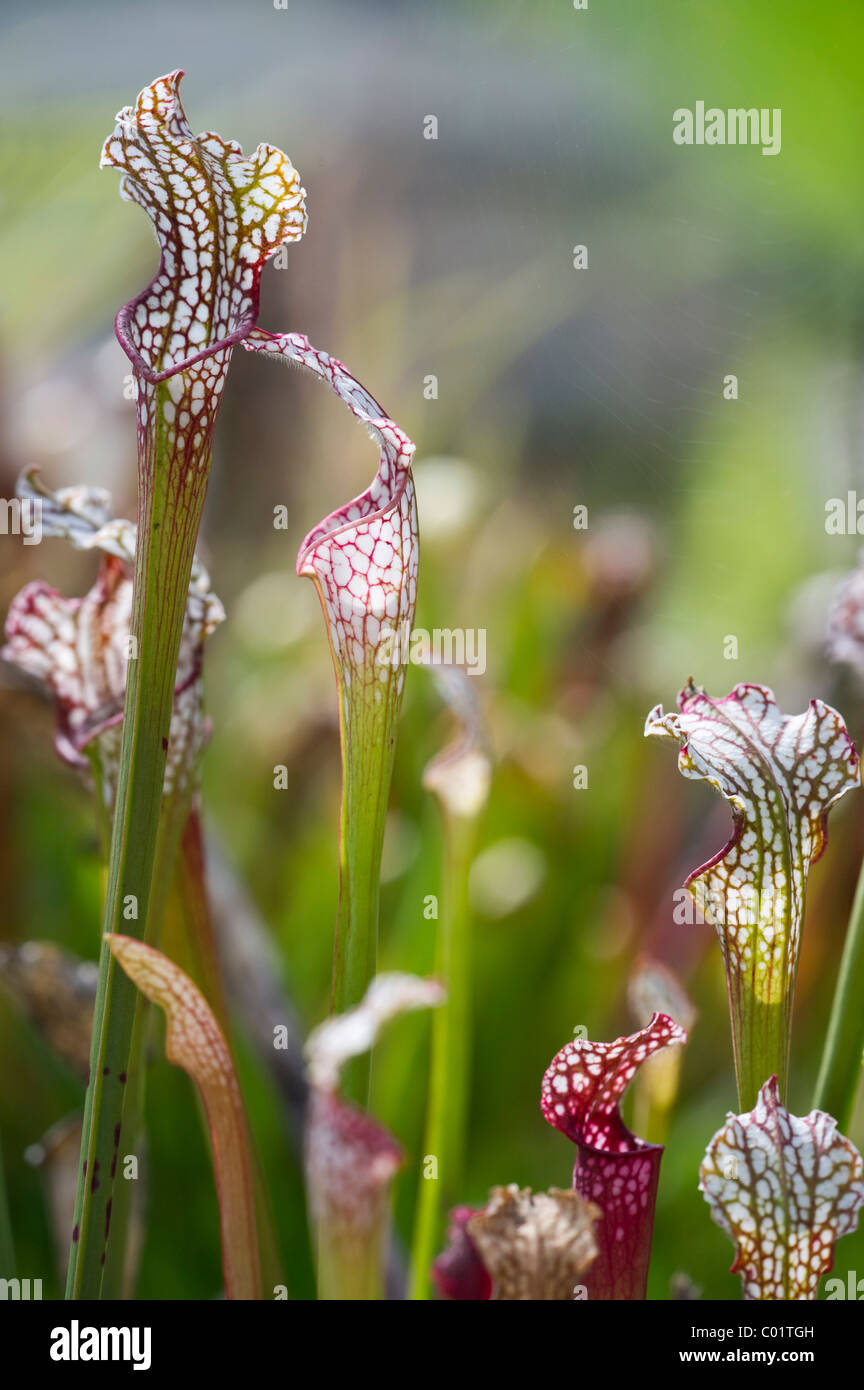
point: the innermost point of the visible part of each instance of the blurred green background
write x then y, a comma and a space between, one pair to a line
556, 387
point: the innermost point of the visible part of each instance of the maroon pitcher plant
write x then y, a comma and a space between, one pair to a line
614, 1169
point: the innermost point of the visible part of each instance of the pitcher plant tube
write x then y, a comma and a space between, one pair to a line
614, 1169
781, 775
218, 216
363, 561
194, 1041
79, 650
459, 1273
784, 1188
523, 1246
350, 1157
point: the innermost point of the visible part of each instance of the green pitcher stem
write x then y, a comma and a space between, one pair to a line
840, 1071
171, 498
350, 1273
368, 744
451, 1056
175, 809
761, 1037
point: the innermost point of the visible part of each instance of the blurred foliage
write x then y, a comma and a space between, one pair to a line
556, 387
